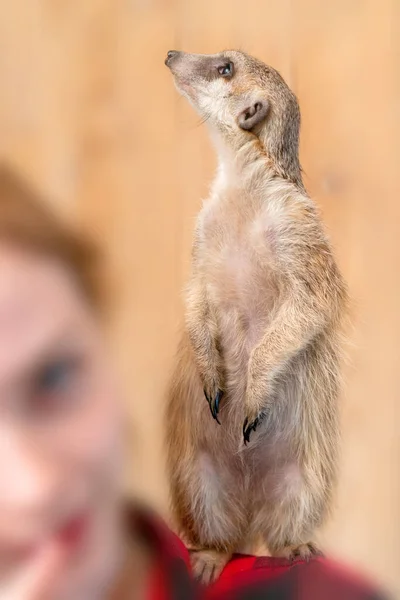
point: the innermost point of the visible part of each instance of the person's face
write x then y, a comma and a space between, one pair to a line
60, 426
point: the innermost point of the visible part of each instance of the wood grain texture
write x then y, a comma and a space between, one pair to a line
89, 113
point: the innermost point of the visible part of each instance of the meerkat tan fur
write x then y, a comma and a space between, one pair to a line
262, 341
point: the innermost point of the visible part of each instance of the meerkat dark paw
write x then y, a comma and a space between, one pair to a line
213, 402
250, 425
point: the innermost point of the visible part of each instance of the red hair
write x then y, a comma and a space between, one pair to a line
26, 220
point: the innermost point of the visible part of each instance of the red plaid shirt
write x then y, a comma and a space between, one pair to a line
249, 577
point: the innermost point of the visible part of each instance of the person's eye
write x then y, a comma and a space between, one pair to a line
56, 383
55, 376
226, 70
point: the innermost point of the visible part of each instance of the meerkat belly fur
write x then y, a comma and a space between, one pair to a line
262, 342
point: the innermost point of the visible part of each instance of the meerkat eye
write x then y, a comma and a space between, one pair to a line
226, 70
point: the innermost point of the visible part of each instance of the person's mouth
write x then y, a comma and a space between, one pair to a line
74, 532
72, 535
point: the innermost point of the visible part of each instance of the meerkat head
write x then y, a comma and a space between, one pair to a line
239, 95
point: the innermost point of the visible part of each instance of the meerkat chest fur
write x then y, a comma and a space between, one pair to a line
235, 255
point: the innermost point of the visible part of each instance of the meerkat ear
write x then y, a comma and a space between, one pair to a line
253, 115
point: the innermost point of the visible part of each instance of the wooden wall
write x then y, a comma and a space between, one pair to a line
88, 112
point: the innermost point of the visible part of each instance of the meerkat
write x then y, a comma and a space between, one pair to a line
262, 341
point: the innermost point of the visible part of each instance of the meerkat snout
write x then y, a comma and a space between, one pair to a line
170, 55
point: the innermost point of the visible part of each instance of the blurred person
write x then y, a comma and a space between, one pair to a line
66, 529
61, 418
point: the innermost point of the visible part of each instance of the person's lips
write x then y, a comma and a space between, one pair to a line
72, 534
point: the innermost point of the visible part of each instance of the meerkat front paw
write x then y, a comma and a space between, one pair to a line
213, 396
256, 407
251, 423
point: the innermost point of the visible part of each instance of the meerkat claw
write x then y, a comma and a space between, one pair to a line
217, 401
246, 432
214, 404
249, 427
215, 416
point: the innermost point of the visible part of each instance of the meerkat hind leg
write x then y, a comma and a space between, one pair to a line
291, 523
304, 551
296, 509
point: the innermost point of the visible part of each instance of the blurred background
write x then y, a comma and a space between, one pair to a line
89, 114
